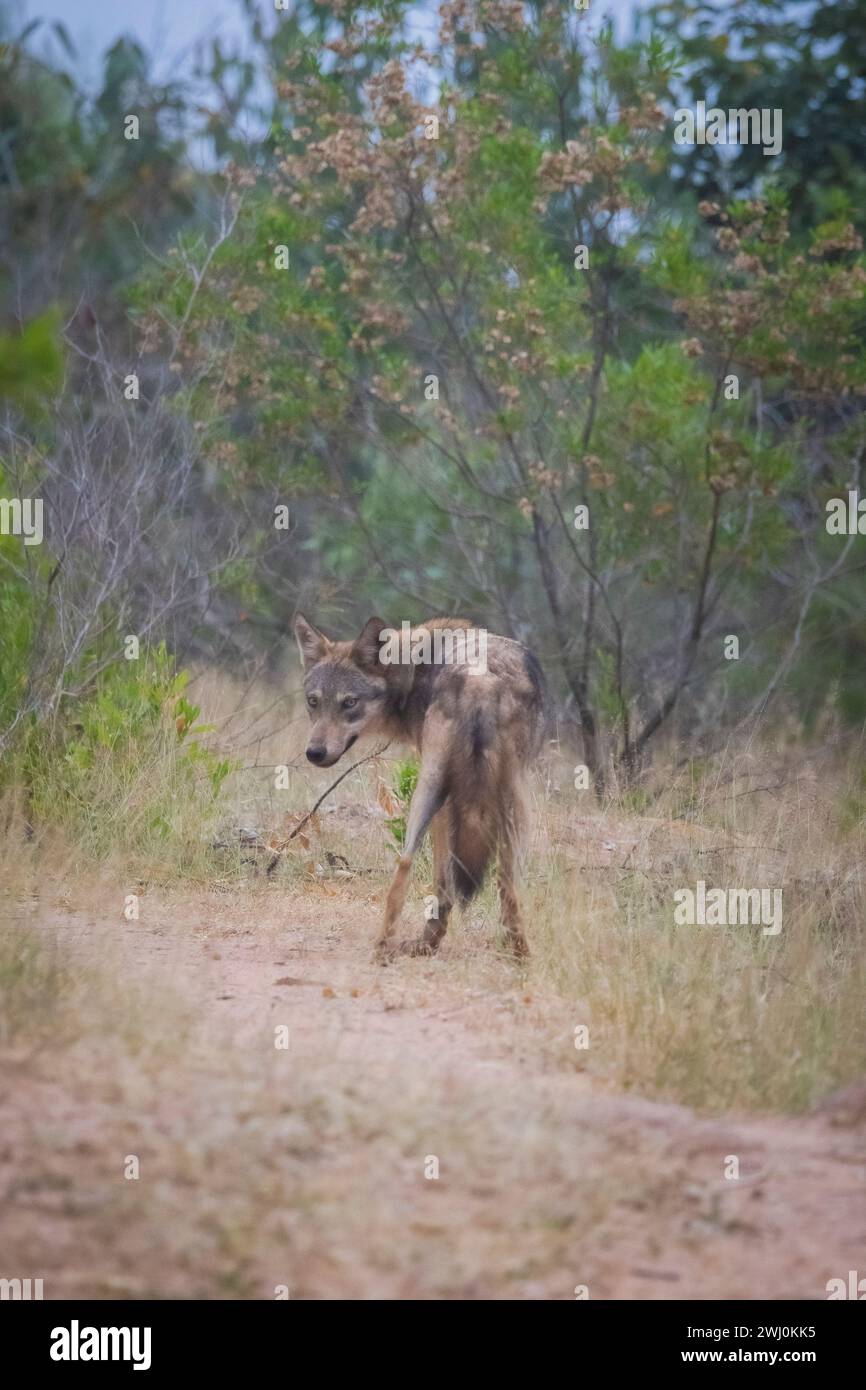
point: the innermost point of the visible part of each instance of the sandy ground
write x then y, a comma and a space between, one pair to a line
313, 1166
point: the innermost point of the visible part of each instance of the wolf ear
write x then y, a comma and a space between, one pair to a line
367, 647
312, 644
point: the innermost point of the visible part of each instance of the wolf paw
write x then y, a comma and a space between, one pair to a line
416, 946
384, 953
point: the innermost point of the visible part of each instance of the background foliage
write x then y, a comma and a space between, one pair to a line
431, 385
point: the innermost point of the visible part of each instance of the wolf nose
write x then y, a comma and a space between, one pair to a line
316, 752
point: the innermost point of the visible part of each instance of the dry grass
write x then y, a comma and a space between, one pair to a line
717, 1017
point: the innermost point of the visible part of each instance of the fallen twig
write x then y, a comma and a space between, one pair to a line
299, 827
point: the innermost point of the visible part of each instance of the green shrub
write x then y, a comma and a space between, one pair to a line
403, 784
127, 770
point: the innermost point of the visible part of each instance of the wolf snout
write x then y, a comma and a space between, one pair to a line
317, 753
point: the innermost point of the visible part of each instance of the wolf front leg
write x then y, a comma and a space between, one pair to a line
427, 800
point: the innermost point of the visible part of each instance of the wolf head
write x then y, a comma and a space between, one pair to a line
349, 691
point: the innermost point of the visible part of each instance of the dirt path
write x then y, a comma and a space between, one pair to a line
313, 1166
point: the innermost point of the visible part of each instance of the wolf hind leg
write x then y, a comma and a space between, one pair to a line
508, 875
427, 800
436, 926
443, 879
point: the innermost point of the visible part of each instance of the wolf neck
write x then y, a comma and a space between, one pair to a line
404, 715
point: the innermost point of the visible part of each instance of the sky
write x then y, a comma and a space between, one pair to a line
170, 29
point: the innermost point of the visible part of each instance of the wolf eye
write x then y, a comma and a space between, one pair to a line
312, 701
350, 702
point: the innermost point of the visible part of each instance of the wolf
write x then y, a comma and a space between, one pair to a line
477, 729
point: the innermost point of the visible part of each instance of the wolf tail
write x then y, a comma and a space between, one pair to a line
474, 834
475, 803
